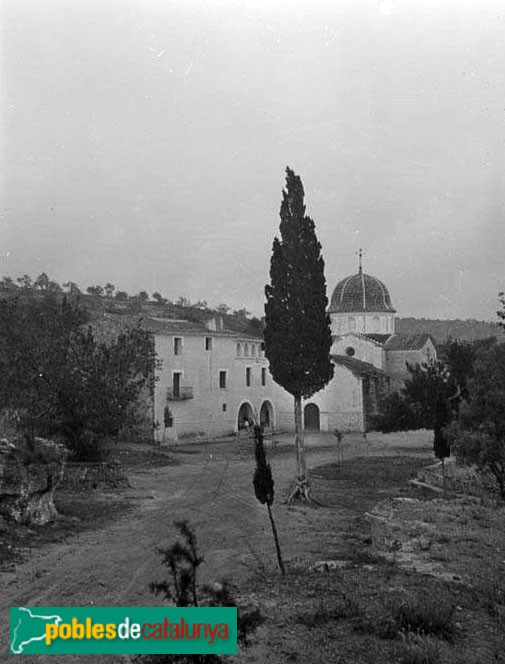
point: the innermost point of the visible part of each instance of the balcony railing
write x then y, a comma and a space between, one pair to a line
179, 394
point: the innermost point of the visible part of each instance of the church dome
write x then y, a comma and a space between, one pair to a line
360, 292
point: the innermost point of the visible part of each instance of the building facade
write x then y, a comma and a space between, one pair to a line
213, 382
370, 358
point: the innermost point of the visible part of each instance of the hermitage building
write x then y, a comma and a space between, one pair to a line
213, 382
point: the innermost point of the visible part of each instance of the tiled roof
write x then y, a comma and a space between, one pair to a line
360, 292
358, 367
159, 325
378, 338
172, 326
186, 327
408, 341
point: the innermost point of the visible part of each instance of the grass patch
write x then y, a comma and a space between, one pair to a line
429, 616
420, 650
365, 557
409, 618
344, 608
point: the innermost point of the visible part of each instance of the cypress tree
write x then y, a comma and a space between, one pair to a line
297, 327
264, 487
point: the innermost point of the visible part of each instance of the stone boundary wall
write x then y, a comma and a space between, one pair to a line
93, 475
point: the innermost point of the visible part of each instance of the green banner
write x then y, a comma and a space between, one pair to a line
78, 630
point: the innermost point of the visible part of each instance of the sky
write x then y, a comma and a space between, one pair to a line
144, 143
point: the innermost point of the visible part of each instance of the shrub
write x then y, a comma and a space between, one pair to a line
396, 415
479, 434
264, 488
181, 589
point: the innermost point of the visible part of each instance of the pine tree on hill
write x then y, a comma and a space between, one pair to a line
297, 327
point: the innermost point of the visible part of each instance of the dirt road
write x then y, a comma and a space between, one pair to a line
212, 488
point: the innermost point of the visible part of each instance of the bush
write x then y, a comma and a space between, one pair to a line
181, 589
479, 434
482, 449
396, 415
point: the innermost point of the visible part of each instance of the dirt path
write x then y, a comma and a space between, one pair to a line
212, 488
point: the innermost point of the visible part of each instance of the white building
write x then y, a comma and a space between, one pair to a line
370, 358
214, 382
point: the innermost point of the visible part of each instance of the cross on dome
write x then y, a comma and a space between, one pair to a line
360, 257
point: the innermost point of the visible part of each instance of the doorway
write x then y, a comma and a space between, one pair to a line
311, 417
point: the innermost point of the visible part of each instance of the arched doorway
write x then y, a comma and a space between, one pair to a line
245, 416
311, 417
266, 414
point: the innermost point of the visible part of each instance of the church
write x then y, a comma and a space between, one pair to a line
369, 356
212, 382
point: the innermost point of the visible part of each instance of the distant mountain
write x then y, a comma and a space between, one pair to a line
464, 330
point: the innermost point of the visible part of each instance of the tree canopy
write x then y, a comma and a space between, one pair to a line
297, 327
61, 380
479, 434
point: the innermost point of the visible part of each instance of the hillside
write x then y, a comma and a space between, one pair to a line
465, 330
99, 306
106, 300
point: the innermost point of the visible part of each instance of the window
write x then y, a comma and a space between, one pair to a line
176, 384
263, 376
239, 350
253, 350
222, 379
248, 376
177, 345
349, 351
224, 408
246, 350
208, 343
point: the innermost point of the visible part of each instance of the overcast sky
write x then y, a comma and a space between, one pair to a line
144, 142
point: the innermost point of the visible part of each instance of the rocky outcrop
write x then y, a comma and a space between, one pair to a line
28, 477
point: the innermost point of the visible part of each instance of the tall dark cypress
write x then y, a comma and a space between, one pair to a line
297, 332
